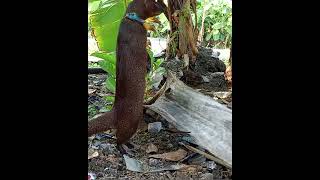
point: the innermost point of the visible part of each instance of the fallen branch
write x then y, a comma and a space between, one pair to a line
209, 122
217, 160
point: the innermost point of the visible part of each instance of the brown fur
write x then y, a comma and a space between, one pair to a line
131, 71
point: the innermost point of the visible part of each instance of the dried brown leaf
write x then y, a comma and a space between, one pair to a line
171, 156
152, 148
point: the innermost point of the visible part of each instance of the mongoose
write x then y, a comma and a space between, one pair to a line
131, 69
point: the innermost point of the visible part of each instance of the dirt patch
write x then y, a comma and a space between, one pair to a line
208, 72
108, 163
97, 92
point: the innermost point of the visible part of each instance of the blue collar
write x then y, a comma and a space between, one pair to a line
134, 17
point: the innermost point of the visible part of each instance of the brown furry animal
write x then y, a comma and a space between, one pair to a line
130, 73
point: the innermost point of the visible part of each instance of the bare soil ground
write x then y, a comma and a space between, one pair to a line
105, 161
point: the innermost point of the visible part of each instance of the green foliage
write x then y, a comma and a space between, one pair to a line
109, 98
156, 70
162, 30
218, 22
150, 54
111, 84
92, 111
108, 64
104, 21
94, 65
105, 17
110, 101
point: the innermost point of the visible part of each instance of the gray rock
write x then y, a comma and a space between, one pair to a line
210, 165
153, 162
154, 127
207, 176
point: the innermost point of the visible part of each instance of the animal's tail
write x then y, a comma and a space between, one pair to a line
101, 123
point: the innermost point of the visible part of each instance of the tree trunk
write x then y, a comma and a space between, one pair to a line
200, 37
183, 34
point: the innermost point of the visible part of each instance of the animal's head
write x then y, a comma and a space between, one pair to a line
147, 8
154, 7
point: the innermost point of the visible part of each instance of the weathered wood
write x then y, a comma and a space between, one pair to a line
209, 122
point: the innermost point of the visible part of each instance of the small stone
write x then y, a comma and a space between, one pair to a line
104, 145
215, 54
109, 148
98, 136
93, 155
207, 176
91, 91
95, 147
205, 79
96, 143
154, 127
152, 148
153, 162
90, 138
91, 176
90, 151
210, 165
222, 94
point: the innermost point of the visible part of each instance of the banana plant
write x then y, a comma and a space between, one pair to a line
104, 18
104, 21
